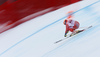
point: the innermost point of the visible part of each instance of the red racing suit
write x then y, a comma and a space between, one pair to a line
71, 25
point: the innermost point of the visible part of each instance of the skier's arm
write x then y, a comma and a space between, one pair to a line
65, 21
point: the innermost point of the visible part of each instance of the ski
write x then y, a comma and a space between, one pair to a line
72, 35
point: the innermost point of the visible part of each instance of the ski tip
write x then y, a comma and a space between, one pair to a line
57, 41
91, 26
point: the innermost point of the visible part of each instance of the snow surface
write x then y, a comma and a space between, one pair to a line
36, 37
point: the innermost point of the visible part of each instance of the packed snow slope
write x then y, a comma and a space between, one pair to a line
36, 37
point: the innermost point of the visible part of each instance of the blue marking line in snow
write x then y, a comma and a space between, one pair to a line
42, 29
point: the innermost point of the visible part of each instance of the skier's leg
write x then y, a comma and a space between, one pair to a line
73, 30
76, 25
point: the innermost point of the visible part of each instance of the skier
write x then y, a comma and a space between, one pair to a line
71, 25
